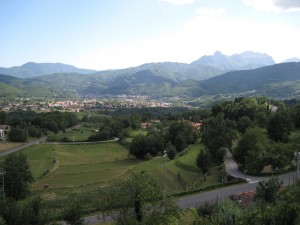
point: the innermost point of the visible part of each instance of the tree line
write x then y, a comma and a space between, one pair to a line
26, 124
256, 130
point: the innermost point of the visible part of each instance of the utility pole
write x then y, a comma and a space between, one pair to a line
2, 172
245, 171
165, 156
297, 157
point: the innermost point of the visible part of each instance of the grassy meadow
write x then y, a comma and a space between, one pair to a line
82, 166
67, 168
77, 134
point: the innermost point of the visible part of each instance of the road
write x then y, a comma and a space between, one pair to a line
232, 169
25, 145
195, 200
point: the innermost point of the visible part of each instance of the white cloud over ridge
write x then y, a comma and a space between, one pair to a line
274, 5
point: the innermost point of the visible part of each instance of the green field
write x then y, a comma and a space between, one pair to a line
77, 165
81, 167
133, 133
77, 134
74, 166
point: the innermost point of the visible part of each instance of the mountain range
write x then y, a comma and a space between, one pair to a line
209, 75
32, 69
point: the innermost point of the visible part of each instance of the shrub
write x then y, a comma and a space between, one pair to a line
148, 156
171, 153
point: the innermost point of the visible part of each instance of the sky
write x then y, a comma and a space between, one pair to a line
115, 34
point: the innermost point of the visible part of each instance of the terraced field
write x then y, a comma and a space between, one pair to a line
61, 166
85, 166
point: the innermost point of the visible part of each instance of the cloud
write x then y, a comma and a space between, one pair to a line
203, 35
289, 5
179, 2
210, 11
274, 5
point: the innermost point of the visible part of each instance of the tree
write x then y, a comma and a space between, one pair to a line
184, 129
280, 155
17, 134
280, 126
203, 161
141, 145
2, 117
171, 153
251, 148
18, 176
243, 123
33, 213
154, 143
137, 147
218, 133
261, 119
267, 191
140, 200
180, 143
220, 154
73, 212
11, 212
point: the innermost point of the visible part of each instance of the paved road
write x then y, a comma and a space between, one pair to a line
195, 200
232, 169
25, 145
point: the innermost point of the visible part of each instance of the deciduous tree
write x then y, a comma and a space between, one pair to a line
17, 177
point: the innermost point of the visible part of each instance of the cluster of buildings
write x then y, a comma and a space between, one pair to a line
105, 102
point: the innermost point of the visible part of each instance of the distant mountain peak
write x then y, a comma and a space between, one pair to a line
242, 61
218, 53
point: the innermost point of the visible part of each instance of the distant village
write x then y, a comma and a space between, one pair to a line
105, 103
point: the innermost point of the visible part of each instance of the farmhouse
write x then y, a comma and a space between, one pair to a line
4, 130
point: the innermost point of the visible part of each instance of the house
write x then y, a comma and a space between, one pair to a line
145, 125
4, 129
196, 125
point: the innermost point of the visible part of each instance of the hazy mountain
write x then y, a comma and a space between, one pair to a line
203, 68
243, 61
16, 87
69, 83
277, 81
176, 72
32, 69
7, 86
280, 80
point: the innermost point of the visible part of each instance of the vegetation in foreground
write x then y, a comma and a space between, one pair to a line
256, 130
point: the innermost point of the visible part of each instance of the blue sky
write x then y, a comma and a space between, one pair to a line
111, 34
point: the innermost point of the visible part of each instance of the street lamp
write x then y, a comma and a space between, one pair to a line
165, 156
3, 173
245, 171
297, 157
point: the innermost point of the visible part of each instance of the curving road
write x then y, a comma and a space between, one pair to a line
232, 169
196, 199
